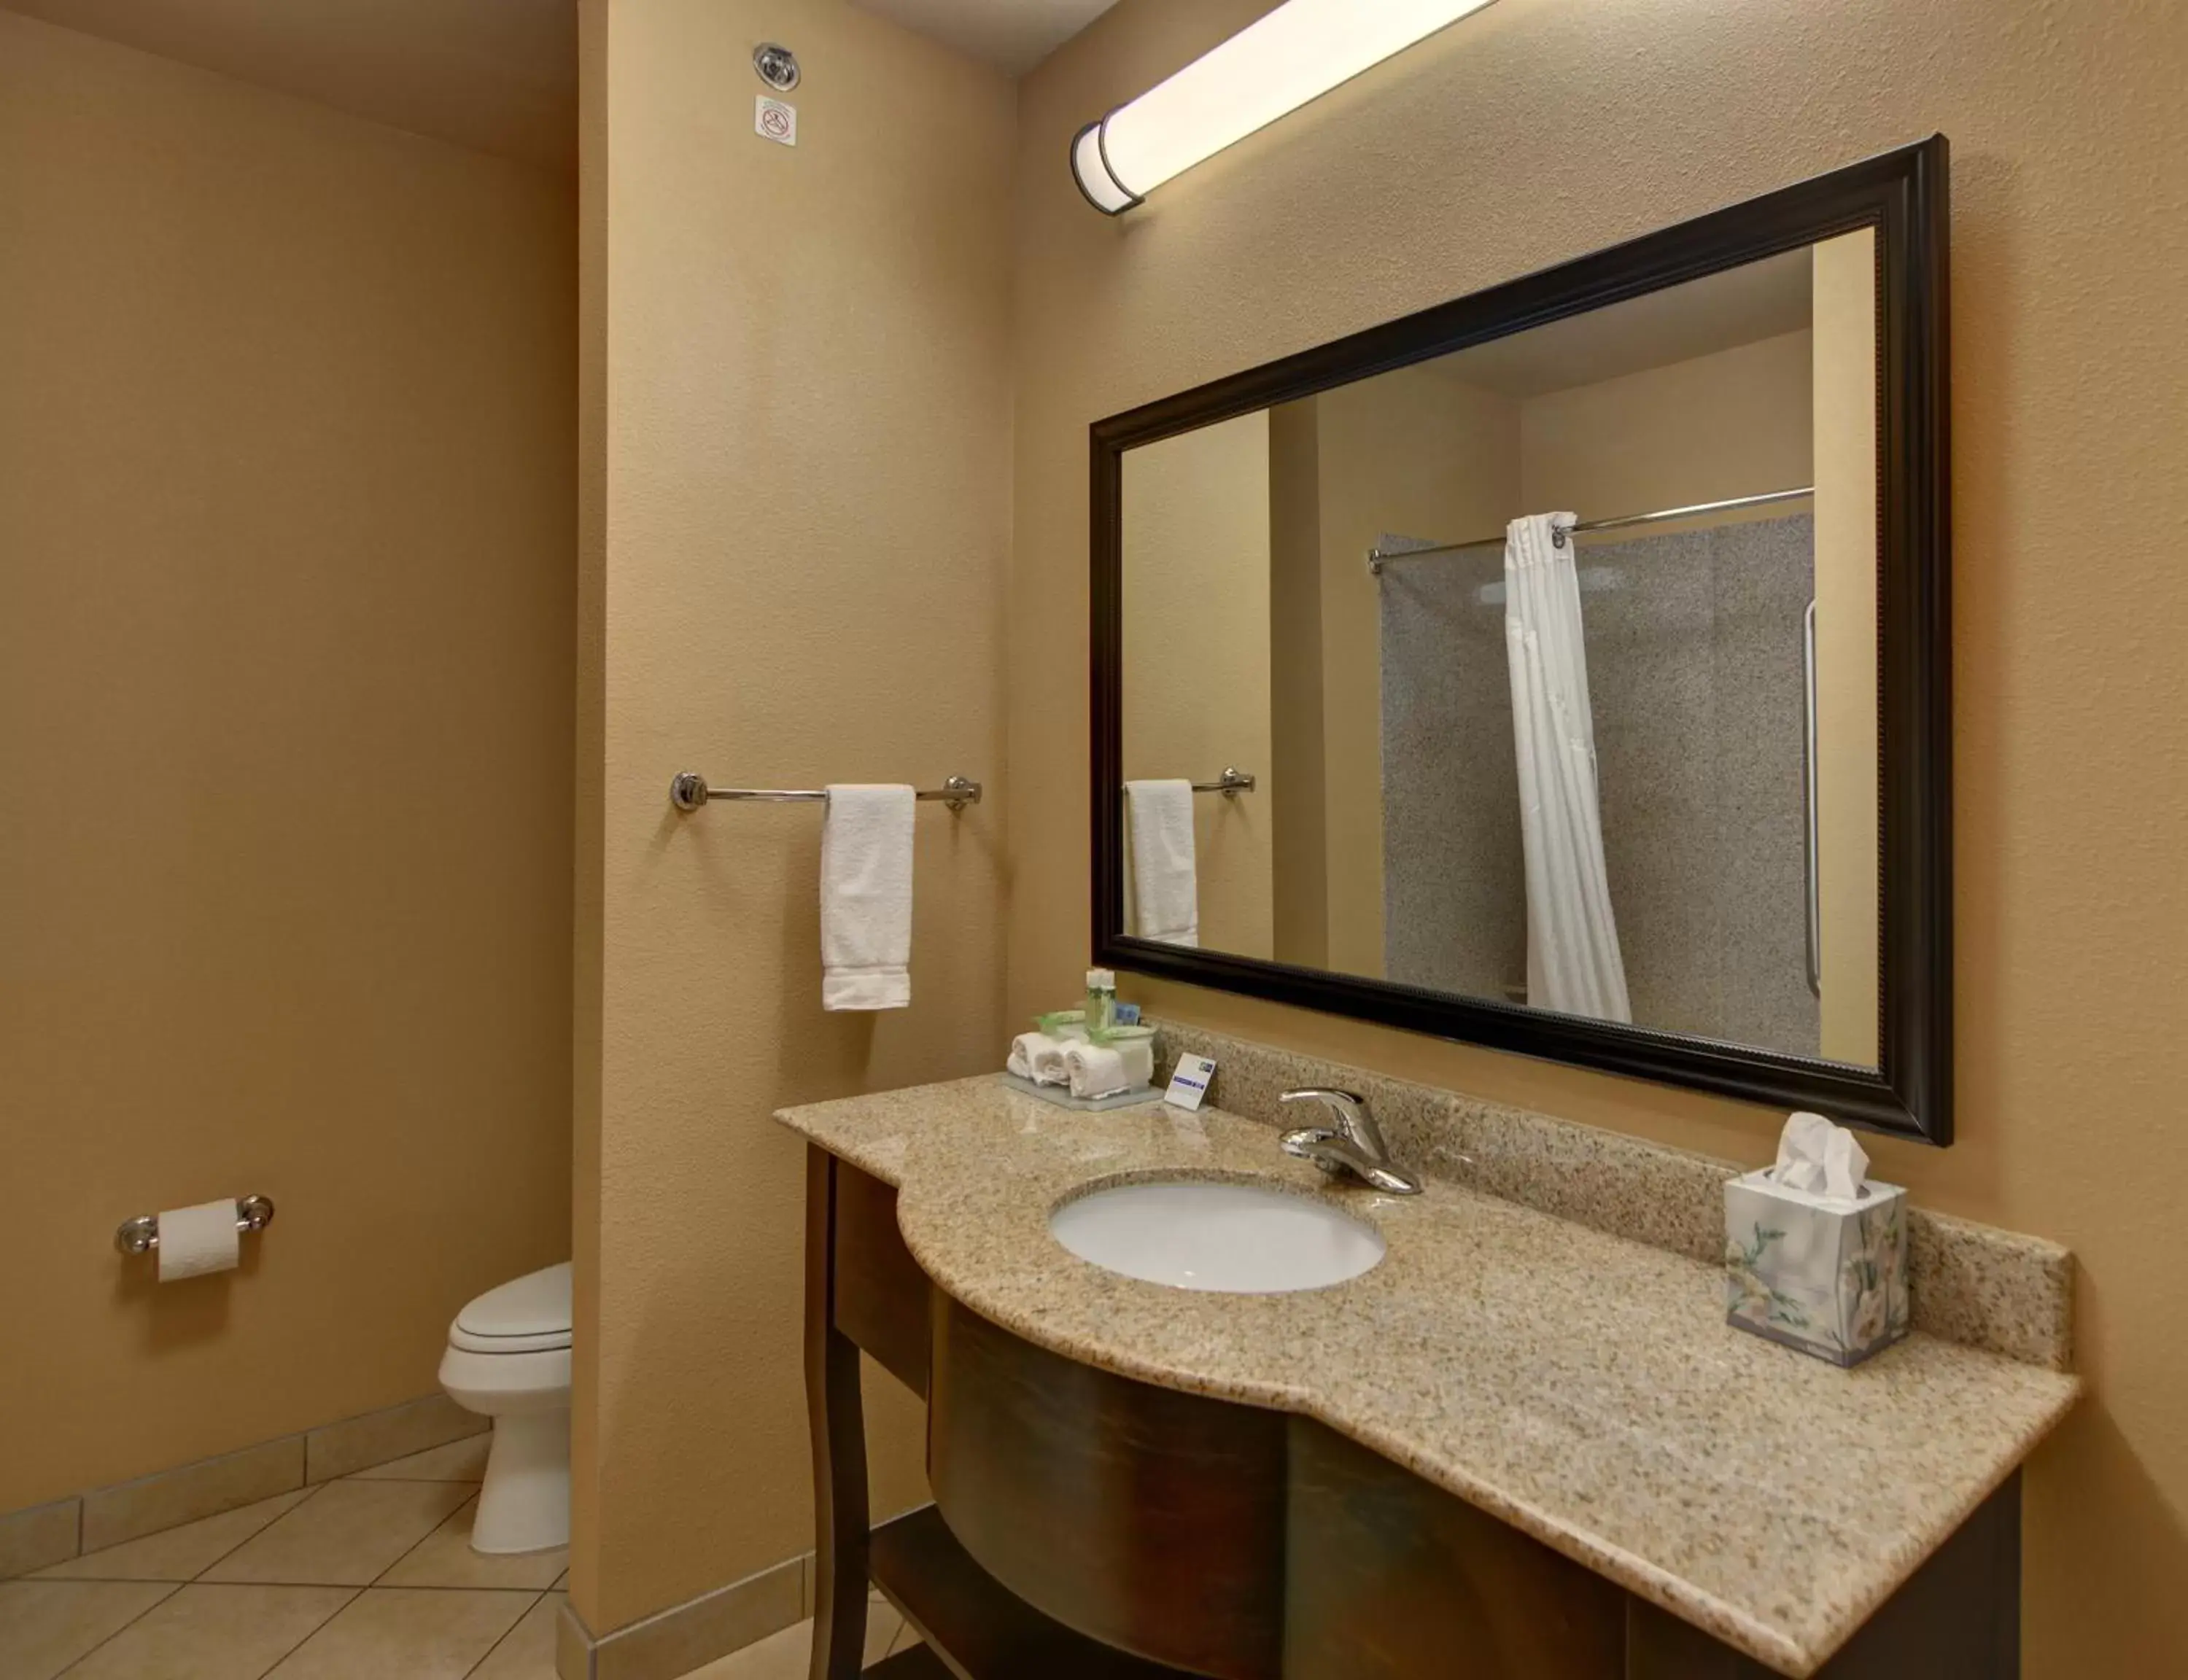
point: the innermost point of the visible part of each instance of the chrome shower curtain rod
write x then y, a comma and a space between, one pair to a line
1377, 557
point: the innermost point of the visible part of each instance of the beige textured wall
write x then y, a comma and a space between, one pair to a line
1736, 423
1299, 850
1197, 653
1439, 173
804, 453
1417, 453
285, 593
589, 822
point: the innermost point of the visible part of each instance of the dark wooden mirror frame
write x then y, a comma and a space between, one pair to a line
1903, 195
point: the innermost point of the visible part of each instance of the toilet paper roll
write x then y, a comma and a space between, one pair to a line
194, 1241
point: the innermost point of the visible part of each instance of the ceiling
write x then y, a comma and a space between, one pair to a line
1738, 306
1012, 35
498, 75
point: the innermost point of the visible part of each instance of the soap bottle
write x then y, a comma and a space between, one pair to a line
1100, 1002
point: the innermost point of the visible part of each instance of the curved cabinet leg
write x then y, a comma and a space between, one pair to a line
835, 1415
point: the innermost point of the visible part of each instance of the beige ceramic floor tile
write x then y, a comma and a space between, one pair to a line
884, 1623
344, 1535
47, 1625
445, 1557
214, 1633
527, 1651
389, 1633
789, 1654
458, 1461
177, 1553
562, 1581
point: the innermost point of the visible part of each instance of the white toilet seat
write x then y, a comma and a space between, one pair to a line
545, 1342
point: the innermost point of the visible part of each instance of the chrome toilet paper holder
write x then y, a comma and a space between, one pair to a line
141, 1235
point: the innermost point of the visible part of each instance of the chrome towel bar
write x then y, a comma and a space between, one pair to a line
141, 1235
688, 791
1231, 784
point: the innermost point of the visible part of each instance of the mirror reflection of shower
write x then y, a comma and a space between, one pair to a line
1693, 675
1676, 822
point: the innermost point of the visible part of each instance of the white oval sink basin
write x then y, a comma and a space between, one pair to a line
1235, 1239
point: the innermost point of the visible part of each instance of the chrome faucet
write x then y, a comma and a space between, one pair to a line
1353, 1144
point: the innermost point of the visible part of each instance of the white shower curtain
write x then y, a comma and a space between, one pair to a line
1573, 963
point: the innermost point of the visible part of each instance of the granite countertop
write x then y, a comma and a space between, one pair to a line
1581, 1386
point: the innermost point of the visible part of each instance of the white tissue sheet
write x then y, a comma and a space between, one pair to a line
1820, 1159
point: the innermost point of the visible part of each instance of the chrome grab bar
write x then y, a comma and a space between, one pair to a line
1810, 834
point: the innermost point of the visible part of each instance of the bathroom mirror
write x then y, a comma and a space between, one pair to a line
1564, 669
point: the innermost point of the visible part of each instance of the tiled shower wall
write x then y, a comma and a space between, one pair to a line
1696, 678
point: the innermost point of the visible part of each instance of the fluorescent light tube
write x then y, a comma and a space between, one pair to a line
1297, 52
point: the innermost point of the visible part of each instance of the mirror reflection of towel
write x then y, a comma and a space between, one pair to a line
1165, 888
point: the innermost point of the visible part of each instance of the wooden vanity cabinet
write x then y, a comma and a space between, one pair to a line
1088, 1526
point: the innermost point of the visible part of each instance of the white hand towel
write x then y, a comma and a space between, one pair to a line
865, 898
1102, 1070
1039, 1057
1165, 890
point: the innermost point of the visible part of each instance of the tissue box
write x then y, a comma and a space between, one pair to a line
1812, 1272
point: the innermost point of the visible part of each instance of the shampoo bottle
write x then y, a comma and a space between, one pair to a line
1101, 1001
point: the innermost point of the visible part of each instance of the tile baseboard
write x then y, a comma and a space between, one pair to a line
684, 1636
41, 1535
168, 1498
336, 1450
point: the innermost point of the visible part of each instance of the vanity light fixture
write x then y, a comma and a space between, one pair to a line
1295, 53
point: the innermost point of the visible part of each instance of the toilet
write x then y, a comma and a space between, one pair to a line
509, 1359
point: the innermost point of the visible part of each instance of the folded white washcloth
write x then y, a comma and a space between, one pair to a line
1039, 1057
1103, 1070
1165, 889
866, 897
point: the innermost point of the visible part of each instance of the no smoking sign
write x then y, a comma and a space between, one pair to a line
774, 119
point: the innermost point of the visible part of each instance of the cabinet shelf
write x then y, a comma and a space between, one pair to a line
977, 1628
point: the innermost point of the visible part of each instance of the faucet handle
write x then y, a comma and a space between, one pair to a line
1353, 1144
1344, 1101
1350, 1111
